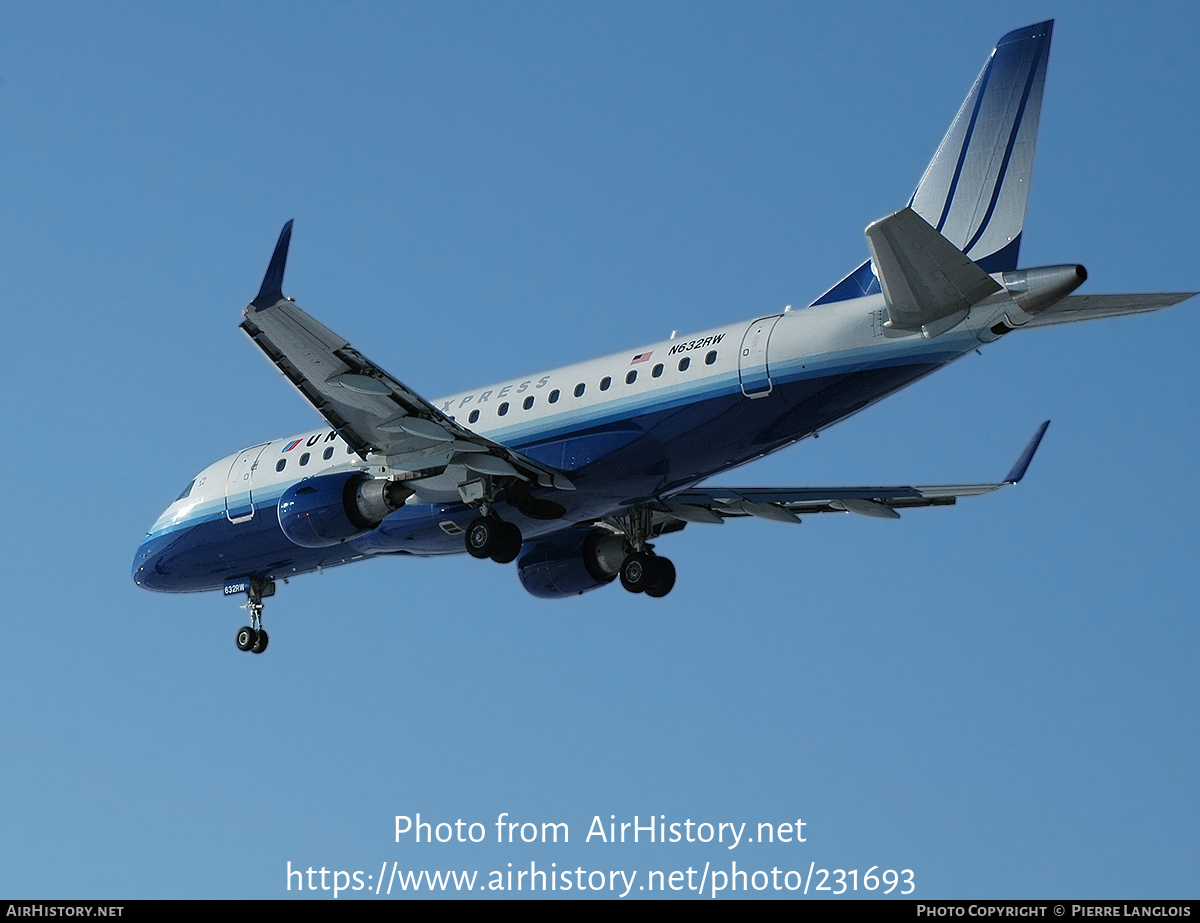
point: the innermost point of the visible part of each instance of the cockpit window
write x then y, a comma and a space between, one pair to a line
187, 490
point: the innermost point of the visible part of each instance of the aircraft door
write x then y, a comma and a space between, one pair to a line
239, 493
753, 369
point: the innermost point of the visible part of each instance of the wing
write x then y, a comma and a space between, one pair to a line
375, 413
785, 504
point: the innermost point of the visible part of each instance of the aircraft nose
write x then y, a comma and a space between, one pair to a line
140, 563
145, 561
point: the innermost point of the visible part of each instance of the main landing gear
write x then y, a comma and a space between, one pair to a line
642, 571
253, 637
489, 536
645, 572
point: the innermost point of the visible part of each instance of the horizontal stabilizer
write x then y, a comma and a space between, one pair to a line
1091, 307
928, 283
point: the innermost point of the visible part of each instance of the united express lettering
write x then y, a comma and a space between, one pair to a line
448, 406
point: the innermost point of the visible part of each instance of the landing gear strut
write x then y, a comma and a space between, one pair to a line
253, 637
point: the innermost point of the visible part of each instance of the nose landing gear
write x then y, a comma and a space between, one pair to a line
253, 637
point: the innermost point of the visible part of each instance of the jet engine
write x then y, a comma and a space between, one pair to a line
331, 508
1035, 290
571, 563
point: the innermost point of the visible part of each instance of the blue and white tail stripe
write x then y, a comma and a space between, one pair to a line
975, 188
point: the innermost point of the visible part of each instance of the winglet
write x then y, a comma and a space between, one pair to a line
1018, 470
272, 285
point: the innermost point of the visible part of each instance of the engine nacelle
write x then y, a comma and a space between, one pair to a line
571, 563
331, 508
1035, 290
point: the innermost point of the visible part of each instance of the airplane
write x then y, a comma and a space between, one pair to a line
576, 472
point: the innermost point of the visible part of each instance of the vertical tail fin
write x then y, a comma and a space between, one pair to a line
974, 190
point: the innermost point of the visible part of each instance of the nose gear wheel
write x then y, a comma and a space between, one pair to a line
253, 637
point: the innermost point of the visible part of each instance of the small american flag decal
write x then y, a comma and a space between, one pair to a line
641, 357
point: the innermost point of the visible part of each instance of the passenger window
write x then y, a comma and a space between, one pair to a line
528, 402
684, 363
328, 454
605, 383
281, 464
631, 377
503, 409
349, 450
710, 358
304, 459
473, 417
658, 370
554, 396
579, 389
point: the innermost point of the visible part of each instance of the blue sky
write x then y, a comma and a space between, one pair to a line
1001, 696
